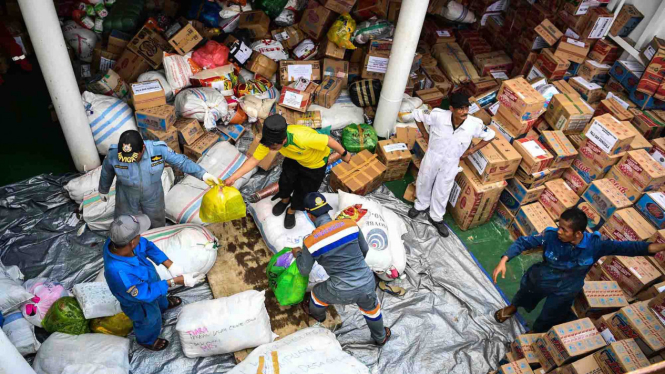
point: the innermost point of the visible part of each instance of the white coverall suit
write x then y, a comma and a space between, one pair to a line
441, 163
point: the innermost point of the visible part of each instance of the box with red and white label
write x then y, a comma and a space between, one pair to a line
594, 220
575, 181
637, 321
609, 134
645, 173
560, 147
604, 196
624, 356
598, 298
652, 207
657, 306
632, 273
623, 184
592, 154
521, 98
295, 99
473, 202
658, 150
629, 225
567, 342
521, 348
557, 197
535, 156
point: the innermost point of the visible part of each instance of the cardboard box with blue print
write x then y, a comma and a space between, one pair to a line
626, 21
495, 162
624, 356
586, 170
594, 72
504, 215
534, 219
160, 118
652, 206
521, 348
516, 367
605, 198
594, 220
170, 137
598, 298
189, 130
639, 322
336, 69
623, 184
609, 134
557, 197
147, 94
201, 146
560, 147
521, 193
552, 350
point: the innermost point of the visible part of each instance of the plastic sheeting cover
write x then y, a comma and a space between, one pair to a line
443, 324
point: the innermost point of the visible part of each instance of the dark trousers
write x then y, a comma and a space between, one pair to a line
296, 181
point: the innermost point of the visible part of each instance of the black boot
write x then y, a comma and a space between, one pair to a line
279, 208
441, 227
289, 220
413, 212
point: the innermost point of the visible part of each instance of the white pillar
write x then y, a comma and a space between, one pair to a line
405, 41
49, 45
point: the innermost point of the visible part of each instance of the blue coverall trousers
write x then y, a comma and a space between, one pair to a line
148, 199
558, 287
148, 327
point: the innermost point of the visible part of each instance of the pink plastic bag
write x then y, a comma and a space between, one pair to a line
211, 55
46, 293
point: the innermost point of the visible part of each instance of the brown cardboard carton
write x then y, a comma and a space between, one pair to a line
586, 365
295, 99
615, 109
593, 71
534, 219
565, 88
291, 71
626, 20
657, 307
639, 142
609, 134
454, 62
560, 147
148, 94
637, 321
598, 298
592, 154
336, 69
548, 32
605, 51
629, 225
623, 356
473, 202
328, 91
633, 274
431, 96
159, 118
369, 8
200, 146
643, 172
557, 197
521, 348
170, 137
130, 65
189, 130
495, 162
395, 156
407, 135
493, 62
521, 98
551, 65
572, 50
599, 21
374, 66
410, 192
575, 181
148, 44
256, 22
516, 367
591, 92
567, 342
535, 156
291, 36
315, 20
624, 185
117, 42
513, 125
339, 6
261, 65
361, 176
186, 39
605, 197
656, 288
102, 60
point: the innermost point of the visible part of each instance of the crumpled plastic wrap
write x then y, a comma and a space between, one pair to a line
449, 299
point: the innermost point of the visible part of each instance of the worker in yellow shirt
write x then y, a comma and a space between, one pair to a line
306, 156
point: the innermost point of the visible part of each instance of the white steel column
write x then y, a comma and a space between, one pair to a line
410, 22
49, 45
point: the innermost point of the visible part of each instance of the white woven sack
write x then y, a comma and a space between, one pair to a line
96, 300
108, 117
82, 354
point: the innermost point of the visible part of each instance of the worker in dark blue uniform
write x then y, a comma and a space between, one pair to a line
134, 281
138, 167
568, 254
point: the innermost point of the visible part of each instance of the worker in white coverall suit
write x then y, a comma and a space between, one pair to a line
449, 140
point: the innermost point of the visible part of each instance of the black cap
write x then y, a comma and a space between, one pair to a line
459, 100
316, 204
274, 130
130, 145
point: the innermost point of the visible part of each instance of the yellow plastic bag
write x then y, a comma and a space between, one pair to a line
222, 204
118, 325
342, 30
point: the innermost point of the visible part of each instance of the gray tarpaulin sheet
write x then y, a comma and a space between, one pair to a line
443, 324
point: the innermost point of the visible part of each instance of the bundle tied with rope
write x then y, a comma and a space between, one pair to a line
363, 174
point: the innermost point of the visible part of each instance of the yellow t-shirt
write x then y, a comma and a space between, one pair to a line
303, 144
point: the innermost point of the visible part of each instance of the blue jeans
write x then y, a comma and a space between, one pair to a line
148, 328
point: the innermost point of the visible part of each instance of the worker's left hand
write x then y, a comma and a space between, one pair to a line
294, 251
467, 153
176, 270
347, 158
210, 179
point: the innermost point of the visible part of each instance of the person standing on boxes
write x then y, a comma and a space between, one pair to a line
340, 247
568, 254
139, 179
449, 138
304, 168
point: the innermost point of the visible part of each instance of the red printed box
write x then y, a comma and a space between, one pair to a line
632, 273
557, 197
642, 170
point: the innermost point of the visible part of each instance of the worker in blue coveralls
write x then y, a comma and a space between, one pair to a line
568, 254
340, 247
138, 186
134, 281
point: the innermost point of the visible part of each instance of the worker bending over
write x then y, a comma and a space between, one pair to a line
134, 281
340, 247
568, 254
304, 168
449, 138
138, 167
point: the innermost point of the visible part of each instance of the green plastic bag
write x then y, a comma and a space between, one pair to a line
222, 204
118, 325
287, 283
273, 8
66, 316
356, 138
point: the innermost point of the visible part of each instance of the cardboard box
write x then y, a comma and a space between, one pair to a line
628, 73
495, 162
575, 181
587, 170
633, 274
609, 134
270, 161
521, 193
261, 65
454, 62
291, 36
147, 94
623, 184
657, 307
658, 150
522, 99
594, 72
256, 22
626, 21
599, 21
336, 69
637, 321
130, 65
639, 142
414, 168
117, 42
200, 146
514, 126
551, 65
521, 348
407, 134
586, 365
567, 342
560, 147
591, 92
535, 156
327, 92
369, 8
598, 298
510, 202
621, 357
159, 118
594, 220
393, 10
614, 108
516, 367
420, 147
504, 215
655, 289
110, 85
604, 196
431, 96
534, 219
186, 39
291, 71
557, 197
189, 130
572, 50
548, 32
315, 20
642, 170
493, 62
170, 137
360, 176
375, 66
295, 99
592, 154
565, 88
395, 156
339, 6
473, 202
410, 192
652, 207
148, 44
102, 60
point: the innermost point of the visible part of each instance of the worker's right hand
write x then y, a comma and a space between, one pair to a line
228, 182
104, 197
500, 268
192, 279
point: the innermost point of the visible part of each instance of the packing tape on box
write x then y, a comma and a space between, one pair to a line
355, 169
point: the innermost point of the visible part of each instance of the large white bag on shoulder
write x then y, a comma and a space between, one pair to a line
184, 200
311, 350
108, 118
82, 354
12, 361
225, 325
